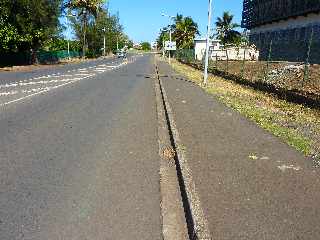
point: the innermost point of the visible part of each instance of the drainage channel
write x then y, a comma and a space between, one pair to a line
196, 223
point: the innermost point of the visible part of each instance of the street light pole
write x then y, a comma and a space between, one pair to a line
84, 32
205, 79
67, 21
170, 50
117, 43
171, 17
104, 41
68, 50
163, 48
68, 40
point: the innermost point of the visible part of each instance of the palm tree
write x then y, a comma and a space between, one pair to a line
185, 30
225, 28
85, 8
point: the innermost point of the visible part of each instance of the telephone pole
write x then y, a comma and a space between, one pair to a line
205, 79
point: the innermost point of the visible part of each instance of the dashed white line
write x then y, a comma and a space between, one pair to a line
82, 72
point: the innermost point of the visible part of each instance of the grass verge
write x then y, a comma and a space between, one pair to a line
297, 125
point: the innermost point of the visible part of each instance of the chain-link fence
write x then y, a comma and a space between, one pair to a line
43, 57
299, 80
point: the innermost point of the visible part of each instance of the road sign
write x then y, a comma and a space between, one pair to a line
170, 46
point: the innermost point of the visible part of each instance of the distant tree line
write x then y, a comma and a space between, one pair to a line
32, 25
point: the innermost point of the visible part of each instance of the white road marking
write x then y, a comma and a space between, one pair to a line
80, 74
8, 93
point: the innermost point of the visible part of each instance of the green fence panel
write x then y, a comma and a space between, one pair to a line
186, 55
44, 57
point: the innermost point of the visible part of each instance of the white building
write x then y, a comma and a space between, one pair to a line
200, 47
218, 52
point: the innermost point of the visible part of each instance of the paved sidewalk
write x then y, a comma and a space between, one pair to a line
251, 184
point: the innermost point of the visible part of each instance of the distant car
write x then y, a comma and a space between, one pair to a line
121, 54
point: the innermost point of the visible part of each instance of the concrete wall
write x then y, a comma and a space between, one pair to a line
235, 53
200, 48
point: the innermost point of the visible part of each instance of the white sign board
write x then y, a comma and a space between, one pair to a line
170, 46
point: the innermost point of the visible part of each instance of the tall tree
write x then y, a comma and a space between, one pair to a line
145, 46
185, 31
225, 28
104, 25
86, 9
28, 23
163, 36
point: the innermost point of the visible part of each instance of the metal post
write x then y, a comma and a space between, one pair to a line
307, 62
205, 80
117, 43
163, 48
68, 50
170, 50
104, 45
67, 21
104, 42
266, 72
84, 33
243, 62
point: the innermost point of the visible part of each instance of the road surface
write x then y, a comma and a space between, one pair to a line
79, 159
79, 152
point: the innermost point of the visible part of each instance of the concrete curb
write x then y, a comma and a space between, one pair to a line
174, 225
196, 221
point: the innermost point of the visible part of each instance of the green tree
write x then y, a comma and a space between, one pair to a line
104, 25
9, 38
225, 29
185, 32
58, 44
163, 36
86, 9
27, 24
145, 46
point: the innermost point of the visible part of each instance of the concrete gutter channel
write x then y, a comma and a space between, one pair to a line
182, 214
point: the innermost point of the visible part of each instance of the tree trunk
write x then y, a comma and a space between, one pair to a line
34, 58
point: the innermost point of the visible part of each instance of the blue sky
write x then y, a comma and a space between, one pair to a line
142, 18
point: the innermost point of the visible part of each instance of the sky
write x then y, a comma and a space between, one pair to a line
142, 19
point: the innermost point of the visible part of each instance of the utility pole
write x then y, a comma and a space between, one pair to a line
171, 18
67, 21
205, 79
68, 38
163, 48
117, 43
104, 41
170, 43
84, 32
68, 50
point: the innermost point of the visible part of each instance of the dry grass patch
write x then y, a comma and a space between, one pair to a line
296, 124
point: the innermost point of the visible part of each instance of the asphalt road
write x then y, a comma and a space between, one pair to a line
79, 152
